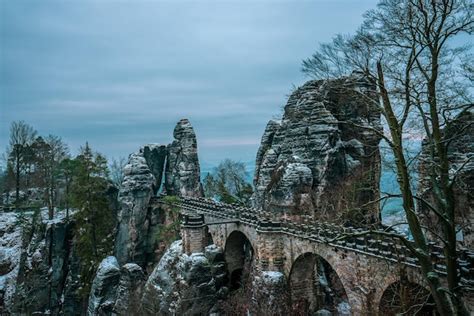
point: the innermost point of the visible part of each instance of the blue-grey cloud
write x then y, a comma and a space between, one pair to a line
120, 74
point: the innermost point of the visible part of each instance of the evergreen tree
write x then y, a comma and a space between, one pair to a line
95, 222
67, 170
38, 158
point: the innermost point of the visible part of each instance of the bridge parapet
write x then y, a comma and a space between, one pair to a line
194, 234
372, 243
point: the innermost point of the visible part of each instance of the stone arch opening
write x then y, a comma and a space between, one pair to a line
210, 239
238, 256
406, 298
315, 286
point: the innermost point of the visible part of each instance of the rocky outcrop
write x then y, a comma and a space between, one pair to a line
74, 301
44, 265
138, 187
104, 288
460, 133
182, 167
322, 158
115, 290
155, 156
270, 294
138, 218
129, 289
47, 274
10, 253
185, 285
179, 285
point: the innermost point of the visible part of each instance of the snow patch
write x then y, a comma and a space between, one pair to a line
343, 308
10, 248
272, 276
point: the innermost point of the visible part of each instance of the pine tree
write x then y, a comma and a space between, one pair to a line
67, 171
94, 219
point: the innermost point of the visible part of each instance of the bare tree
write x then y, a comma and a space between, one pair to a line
21, 137
228, 182
116, 170
58, 151
423, 82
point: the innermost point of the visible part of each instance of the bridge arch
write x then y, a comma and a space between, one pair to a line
239, 254
314, 285
406, 297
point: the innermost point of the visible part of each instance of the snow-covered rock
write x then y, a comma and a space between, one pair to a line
184, 285
319, 138
44, 264
129, 289
182, 175
104, 287
143, 177
10, 252
269, 293
138, 187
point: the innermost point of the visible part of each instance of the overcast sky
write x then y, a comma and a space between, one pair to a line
121, 74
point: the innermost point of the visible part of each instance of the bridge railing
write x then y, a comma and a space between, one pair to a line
348, 238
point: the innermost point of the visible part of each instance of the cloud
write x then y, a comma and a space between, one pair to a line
120, 74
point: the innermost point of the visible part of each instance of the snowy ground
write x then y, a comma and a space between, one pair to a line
10, 248
10, 252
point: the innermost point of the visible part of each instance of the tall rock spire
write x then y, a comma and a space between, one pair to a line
182, 174
138, 219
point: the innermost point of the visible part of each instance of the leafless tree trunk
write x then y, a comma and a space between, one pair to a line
21, 136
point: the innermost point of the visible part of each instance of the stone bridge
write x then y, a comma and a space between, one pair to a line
361, 270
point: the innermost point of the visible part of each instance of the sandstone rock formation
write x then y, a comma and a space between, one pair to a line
182, 166
138, 187
322, 158
460, 133
10, 253
104, 287
185, 285
155, 156
115, 290
45, 266
129, 289
143, 176
45, 273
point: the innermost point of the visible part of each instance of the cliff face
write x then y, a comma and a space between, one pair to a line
322, 158
185, 285
460, 133
120, 280
116, 290
10, 254
138, 187
138, 218
42, 266
182, 175
179, 285
40, 271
